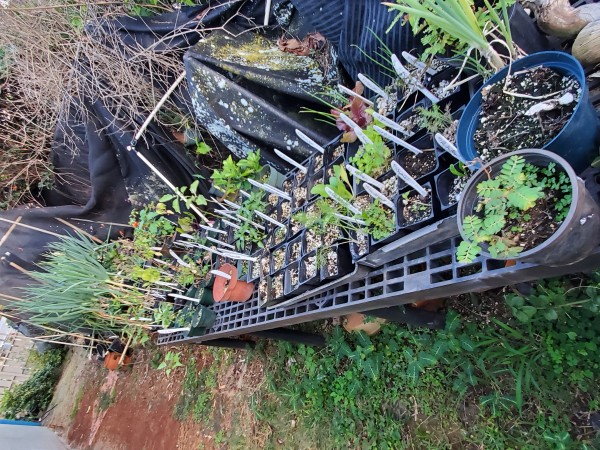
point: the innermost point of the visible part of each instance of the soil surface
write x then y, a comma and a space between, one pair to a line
418, 165
132, 409
505, 124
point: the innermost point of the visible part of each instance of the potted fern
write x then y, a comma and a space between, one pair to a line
530, 206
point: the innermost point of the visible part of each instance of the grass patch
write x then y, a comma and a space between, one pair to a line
106, 399
77, 403
525, 377
197, 392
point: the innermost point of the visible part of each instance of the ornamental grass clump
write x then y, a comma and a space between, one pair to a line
75, 290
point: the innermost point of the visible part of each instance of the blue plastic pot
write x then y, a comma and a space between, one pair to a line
578, 140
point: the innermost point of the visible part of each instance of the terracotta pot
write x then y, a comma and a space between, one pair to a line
111, 360
231, 290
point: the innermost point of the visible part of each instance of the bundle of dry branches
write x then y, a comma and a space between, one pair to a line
48, 64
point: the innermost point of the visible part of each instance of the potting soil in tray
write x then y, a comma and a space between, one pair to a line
415, 208
505, 125
418, 165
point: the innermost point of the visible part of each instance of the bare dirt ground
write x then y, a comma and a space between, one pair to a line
132, 409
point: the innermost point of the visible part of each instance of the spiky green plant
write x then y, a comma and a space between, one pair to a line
75, 290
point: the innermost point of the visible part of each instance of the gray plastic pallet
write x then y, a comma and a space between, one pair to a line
429, 273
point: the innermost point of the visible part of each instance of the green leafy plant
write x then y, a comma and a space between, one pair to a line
433, 119
458, 24
170, 363
381, 221
507, 197
31, 398
247, 231
338, 183
164, 314
321, 217
191, 195
459, 170
202, 148
372, 158
233, 176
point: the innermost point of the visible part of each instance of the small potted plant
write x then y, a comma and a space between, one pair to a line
530, 206
415, 209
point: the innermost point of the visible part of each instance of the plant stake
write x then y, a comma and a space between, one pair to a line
269, 219
363, 176
270, 189
309, 141
345, 90
379, 196
410, 80
350, 219
403, 174
419, 65
368, 83
341, 201
451, 148
390, 123
286, 158
397, 140
357, 130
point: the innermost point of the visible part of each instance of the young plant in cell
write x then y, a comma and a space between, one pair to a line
380, 220
510, 205
247, 231
338, 183
460, 170
372, 159
434, 119
234, 175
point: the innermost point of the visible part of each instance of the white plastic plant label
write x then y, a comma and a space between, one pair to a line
289, 160
403, 174
364, 177
401, 142
379, 196
309, 141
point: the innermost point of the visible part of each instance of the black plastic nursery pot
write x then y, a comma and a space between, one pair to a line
275, 288
292, 280
278, 258
428, 161
309, 270
294, 249
409, 117
444, 183
243, 269
269, 175
408, 225
575, 238
254, 267
578, 141
355, 247
202, 321
340, 253
310, 241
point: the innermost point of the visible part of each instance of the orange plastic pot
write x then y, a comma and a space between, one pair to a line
232, 290
111, 360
